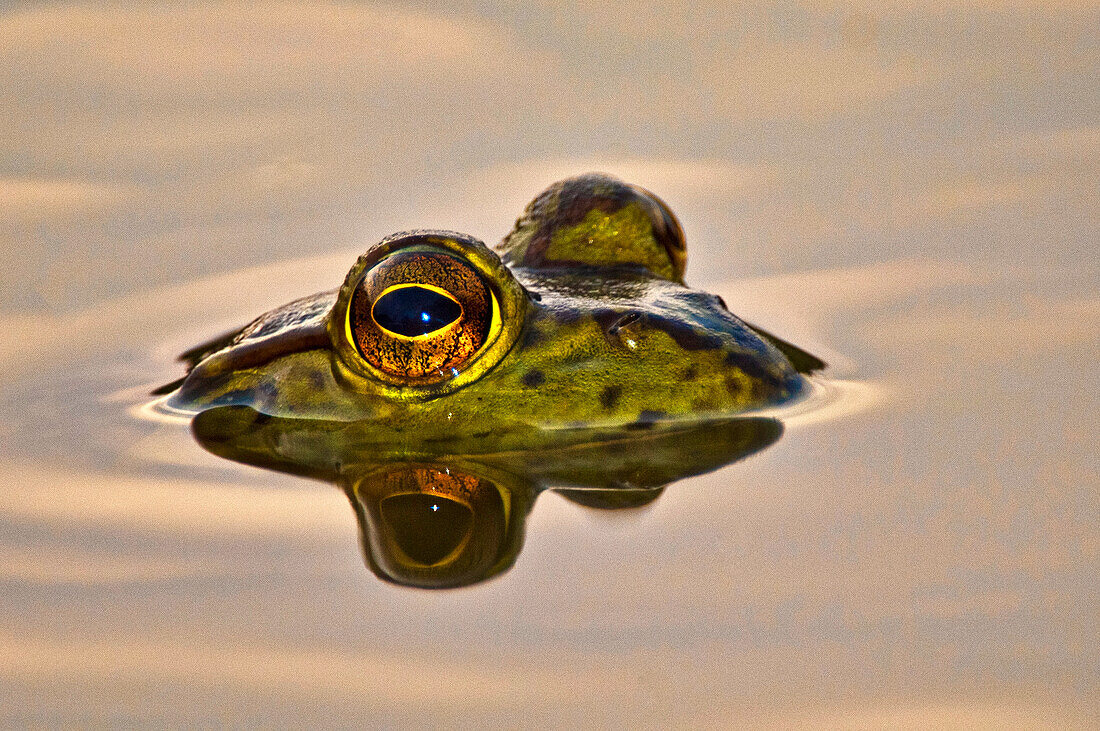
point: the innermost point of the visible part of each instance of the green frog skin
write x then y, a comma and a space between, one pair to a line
579, 323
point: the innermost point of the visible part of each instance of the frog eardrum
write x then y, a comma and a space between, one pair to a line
418, 314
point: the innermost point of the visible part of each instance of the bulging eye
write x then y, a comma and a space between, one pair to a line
419, 315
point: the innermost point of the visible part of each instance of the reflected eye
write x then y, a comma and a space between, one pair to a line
419, 315
415, 310
427, 527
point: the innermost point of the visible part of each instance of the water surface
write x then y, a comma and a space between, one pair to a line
908, 192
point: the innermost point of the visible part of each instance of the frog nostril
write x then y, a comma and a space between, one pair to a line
627, 319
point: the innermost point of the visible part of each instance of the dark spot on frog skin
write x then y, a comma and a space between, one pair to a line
567, 317
610, 396
747, 364
690, 373
733, 386
534, 378
533, 336
704, 404
646, 419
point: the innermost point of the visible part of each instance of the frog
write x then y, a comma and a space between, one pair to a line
577, 324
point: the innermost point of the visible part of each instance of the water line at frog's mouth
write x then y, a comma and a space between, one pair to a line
823, 399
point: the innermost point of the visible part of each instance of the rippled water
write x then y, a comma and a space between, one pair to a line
907, 192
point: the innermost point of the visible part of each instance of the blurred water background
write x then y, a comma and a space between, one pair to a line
908, 189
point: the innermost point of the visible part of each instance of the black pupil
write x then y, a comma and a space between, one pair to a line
412, 311
427, 527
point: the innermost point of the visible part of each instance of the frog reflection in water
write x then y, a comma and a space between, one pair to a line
457, 519
580, 331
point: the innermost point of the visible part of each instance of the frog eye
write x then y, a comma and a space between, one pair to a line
423, 313
419, 315
595, 220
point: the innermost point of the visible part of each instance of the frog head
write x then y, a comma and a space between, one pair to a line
578, 324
